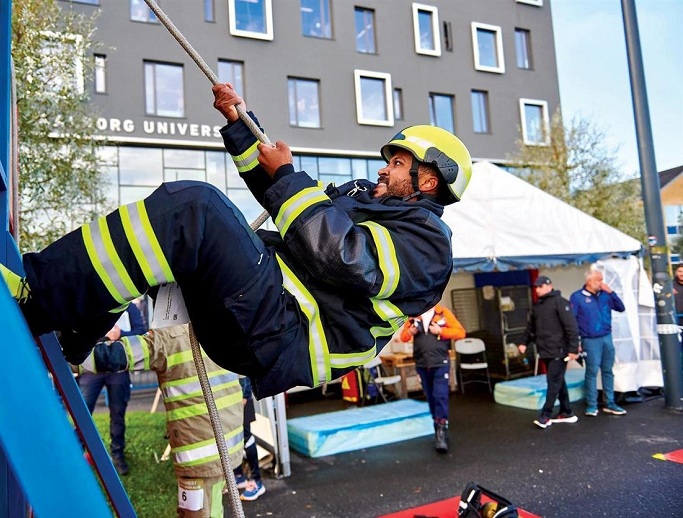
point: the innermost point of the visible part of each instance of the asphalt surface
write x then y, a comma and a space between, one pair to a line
599, 466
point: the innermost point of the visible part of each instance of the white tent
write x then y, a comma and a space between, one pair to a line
504, 223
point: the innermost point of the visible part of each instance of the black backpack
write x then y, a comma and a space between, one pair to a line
471, 507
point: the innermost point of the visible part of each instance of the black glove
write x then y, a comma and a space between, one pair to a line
110, 357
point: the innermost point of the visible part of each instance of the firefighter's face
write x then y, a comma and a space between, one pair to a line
394, 178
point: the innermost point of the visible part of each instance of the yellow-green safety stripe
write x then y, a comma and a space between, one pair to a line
295, 205
386, 257
248, 160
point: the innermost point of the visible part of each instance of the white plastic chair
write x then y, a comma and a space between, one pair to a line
378, 381
472, 349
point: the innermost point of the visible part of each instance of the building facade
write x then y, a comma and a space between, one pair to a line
332, 78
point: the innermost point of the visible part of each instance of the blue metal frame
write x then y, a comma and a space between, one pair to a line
41, 456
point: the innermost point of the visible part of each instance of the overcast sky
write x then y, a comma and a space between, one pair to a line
593, 73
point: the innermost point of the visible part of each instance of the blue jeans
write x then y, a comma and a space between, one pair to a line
118, 390
435, 386
600, 357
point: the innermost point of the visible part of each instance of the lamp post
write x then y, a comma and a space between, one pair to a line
667, 329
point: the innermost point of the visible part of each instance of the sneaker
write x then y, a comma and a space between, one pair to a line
592, 411
121, 466
543, 422
241, 481
614, 409
255, 489
565, 418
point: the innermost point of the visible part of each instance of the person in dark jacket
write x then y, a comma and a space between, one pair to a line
431, 334
303, 305
551, 324
593, 305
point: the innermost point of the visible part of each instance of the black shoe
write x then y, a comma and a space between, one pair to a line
121, 465
441, 438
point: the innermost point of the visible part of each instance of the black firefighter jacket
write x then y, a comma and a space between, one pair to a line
551, 324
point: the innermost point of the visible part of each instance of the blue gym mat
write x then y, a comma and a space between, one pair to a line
358, 428
530, 392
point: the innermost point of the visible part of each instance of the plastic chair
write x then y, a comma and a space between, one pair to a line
372, 378
471, 356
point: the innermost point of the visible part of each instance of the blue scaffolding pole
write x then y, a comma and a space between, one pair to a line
42, 468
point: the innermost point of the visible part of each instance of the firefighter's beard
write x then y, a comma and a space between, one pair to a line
387, 187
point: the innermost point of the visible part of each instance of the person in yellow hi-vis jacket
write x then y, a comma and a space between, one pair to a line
196, 460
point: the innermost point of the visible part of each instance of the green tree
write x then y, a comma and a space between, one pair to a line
61, 184
579, 169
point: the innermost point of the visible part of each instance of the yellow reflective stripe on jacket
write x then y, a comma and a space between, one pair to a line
247, 160
206, 451
144, 244
181, 357
200, 408
106, 261
318, 349
296, 205
137, 352
178, 390
386, 257
390, 314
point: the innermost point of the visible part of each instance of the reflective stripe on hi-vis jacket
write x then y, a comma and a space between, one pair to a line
181, 390
295, 205
107, 263
247, 160
137, 351
206, 451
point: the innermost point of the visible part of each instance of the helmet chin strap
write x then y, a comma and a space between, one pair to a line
413, 180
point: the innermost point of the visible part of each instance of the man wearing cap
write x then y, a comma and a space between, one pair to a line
551, 324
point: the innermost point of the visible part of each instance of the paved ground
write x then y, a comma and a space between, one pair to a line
600, 466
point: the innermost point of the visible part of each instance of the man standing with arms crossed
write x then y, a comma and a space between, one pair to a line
592, 305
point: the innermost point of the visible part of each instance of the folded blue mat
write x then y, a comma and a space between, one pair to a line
530, 392
358, 428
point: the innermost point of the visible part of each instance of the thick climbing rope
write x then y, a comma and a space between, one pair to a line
228, 473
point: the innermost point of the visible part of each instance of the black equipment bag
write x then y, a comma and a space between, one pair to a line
471, 506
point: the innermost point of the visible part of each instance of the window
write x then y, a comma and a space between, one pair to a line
304, 102
448, 36
426, 30
232, 72
251, 18
523, 48
100, 73
140, 12
398, 104
61, 65
374, 99
365, 30
441, 112
315, 18
209, 13
535, 122
487, 41
538, 3
164, 93
480, 111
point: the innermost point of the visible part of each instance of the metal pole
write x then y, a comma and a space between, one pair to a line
669, 343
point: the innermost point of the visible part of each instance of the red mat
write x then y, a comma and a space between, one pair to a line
674, 456
443, 509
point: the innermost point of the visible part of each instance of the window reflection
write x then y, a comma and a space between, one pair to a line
373, 100
140, 166
441, 111
425, 27
164, 94
315, 18
250, 15
140, 12
486, 43
365, 30
304, 105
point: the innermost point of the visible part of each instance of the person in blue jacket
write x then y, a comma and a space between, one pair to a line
593, 305
130, 323
304, 304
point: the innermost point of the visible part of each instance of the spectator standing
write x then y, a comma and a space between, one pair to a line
432, 333
118, 388
253, 486
196, 461
551, 324
593, 305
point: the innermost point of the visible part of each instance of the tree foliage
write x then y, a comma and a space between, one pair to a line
579, 169
60, 182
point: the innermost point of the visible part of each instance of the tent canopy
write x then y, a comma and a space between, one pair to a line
504, 222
